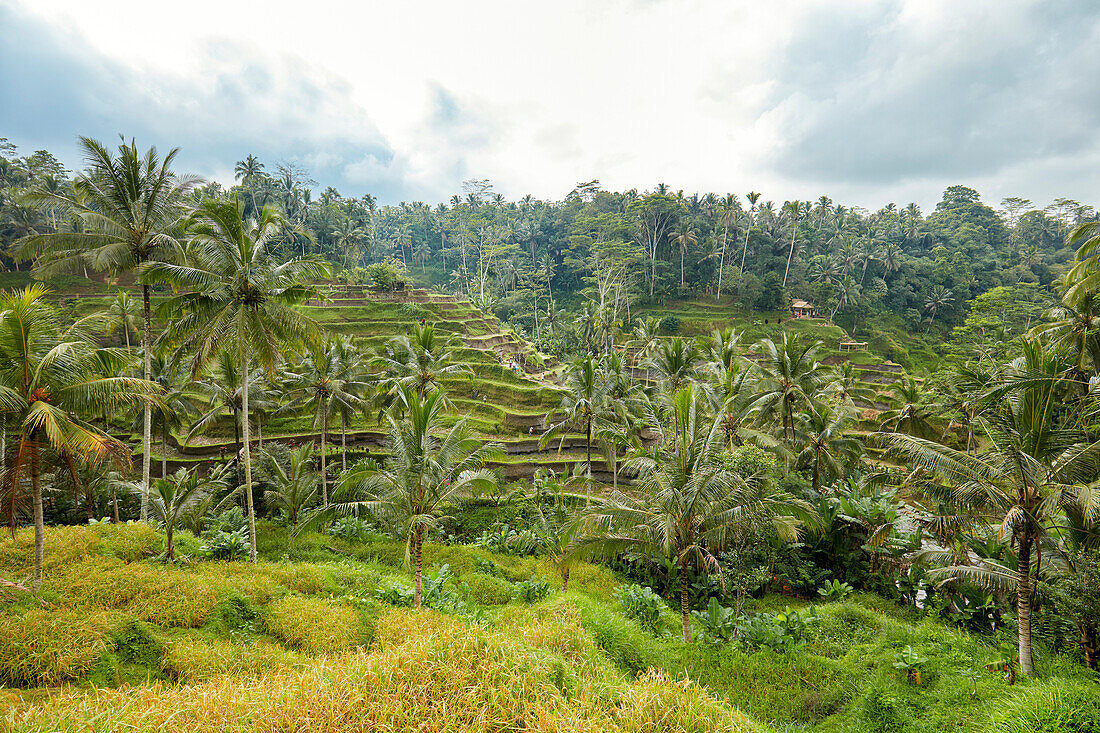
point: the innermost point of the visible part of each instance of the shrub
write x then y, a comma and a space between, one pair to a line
642, 605
834, 590
396, 593
350, 528
718, 623
312, 625
670, 325
225, 545
780, 632
532, 590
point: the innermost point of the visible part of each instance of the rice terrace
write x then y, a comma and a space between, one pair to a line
331, 400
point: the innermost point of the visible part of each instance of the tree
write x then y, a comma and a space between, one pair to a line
171, 497
1033, 471
791, 378
423, 471
247, 171
123, 313
292, 483
329, 386
583, 404
421, 362
689, 503
131, 209
51, 381
241, 298
823, 431
684, 239
752, 198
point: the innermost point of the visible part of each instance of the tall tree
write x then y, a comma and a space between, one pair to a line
132, 208
241, 297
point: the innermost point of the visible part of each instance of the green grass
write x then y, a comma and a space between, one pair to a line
211, 646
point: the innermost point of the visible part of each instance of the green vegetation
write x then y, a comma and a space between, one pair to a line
612, 483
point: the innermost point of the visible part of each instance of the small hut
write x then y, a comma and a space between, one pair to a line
853, 345
803, 309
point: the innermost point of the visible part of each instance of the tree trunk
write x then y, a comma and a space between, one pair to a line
147, 424
722, 260
164, 450
343, 442
114, 503
39, 525
247, 456
790, 256
588, 453
685, 611
1023, 603
564, 579
1089, 643
418, 554
745, 249
324, 457
169, 552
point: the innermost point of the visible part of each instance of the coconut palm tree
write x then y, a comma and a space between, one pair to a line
791, 378
675, 362
292, 485
752, 198
683, 239
584, 406
911, 409
427, 467
688, 504
52, 381
241, 297
131, 210
122, 313
172, 496
421, 360
326, 384
247, 171
1032, 474
823, 431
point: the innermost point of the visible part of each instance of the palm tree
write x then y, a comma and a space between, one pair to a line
823, 431
689, 503
1032, 473
123, 313
51, 382
131, 208
752, 197
423, 471
940, 297
910, 411
675, 362
583, 404
792, 377
171, 497
241, 297
174, 407
323, 384
291, 486
247, 171
683, 239
793, 211
421, 361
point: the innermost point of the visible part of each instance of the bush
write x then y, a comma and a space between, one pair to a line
225, 545
718, 623
642, 605
670, 325
312, 625
350, 528
780, 632
535, 589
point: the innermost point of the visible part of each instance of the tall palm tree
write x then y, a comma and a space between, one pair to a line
131, 209
426, 468
794, 212
247, 171
683, 239
911, 409
52, 382
326, 384
689, 503
791, 379
1033, 472
583, 404
122, 313
752, 198
940, 297
241, 297
675, 362
420, 360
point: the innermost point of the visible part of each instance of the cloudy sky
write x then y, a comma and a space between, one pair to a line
867, 102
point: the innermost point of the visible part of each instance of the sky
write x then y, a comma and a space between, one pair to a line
866, 102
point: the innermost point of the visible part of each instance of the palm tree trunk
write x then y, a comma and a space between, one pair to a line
147, 424
114, 503
685, 611
169, 552
164, 450
343, 442
564, 579
39, 524
1023, 603
418, 554
745, 249
247, 455
790, 256
722, 260
324, 457
588, 453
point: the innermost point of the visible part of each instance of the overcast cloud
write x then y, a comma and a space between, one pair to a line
865, 102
